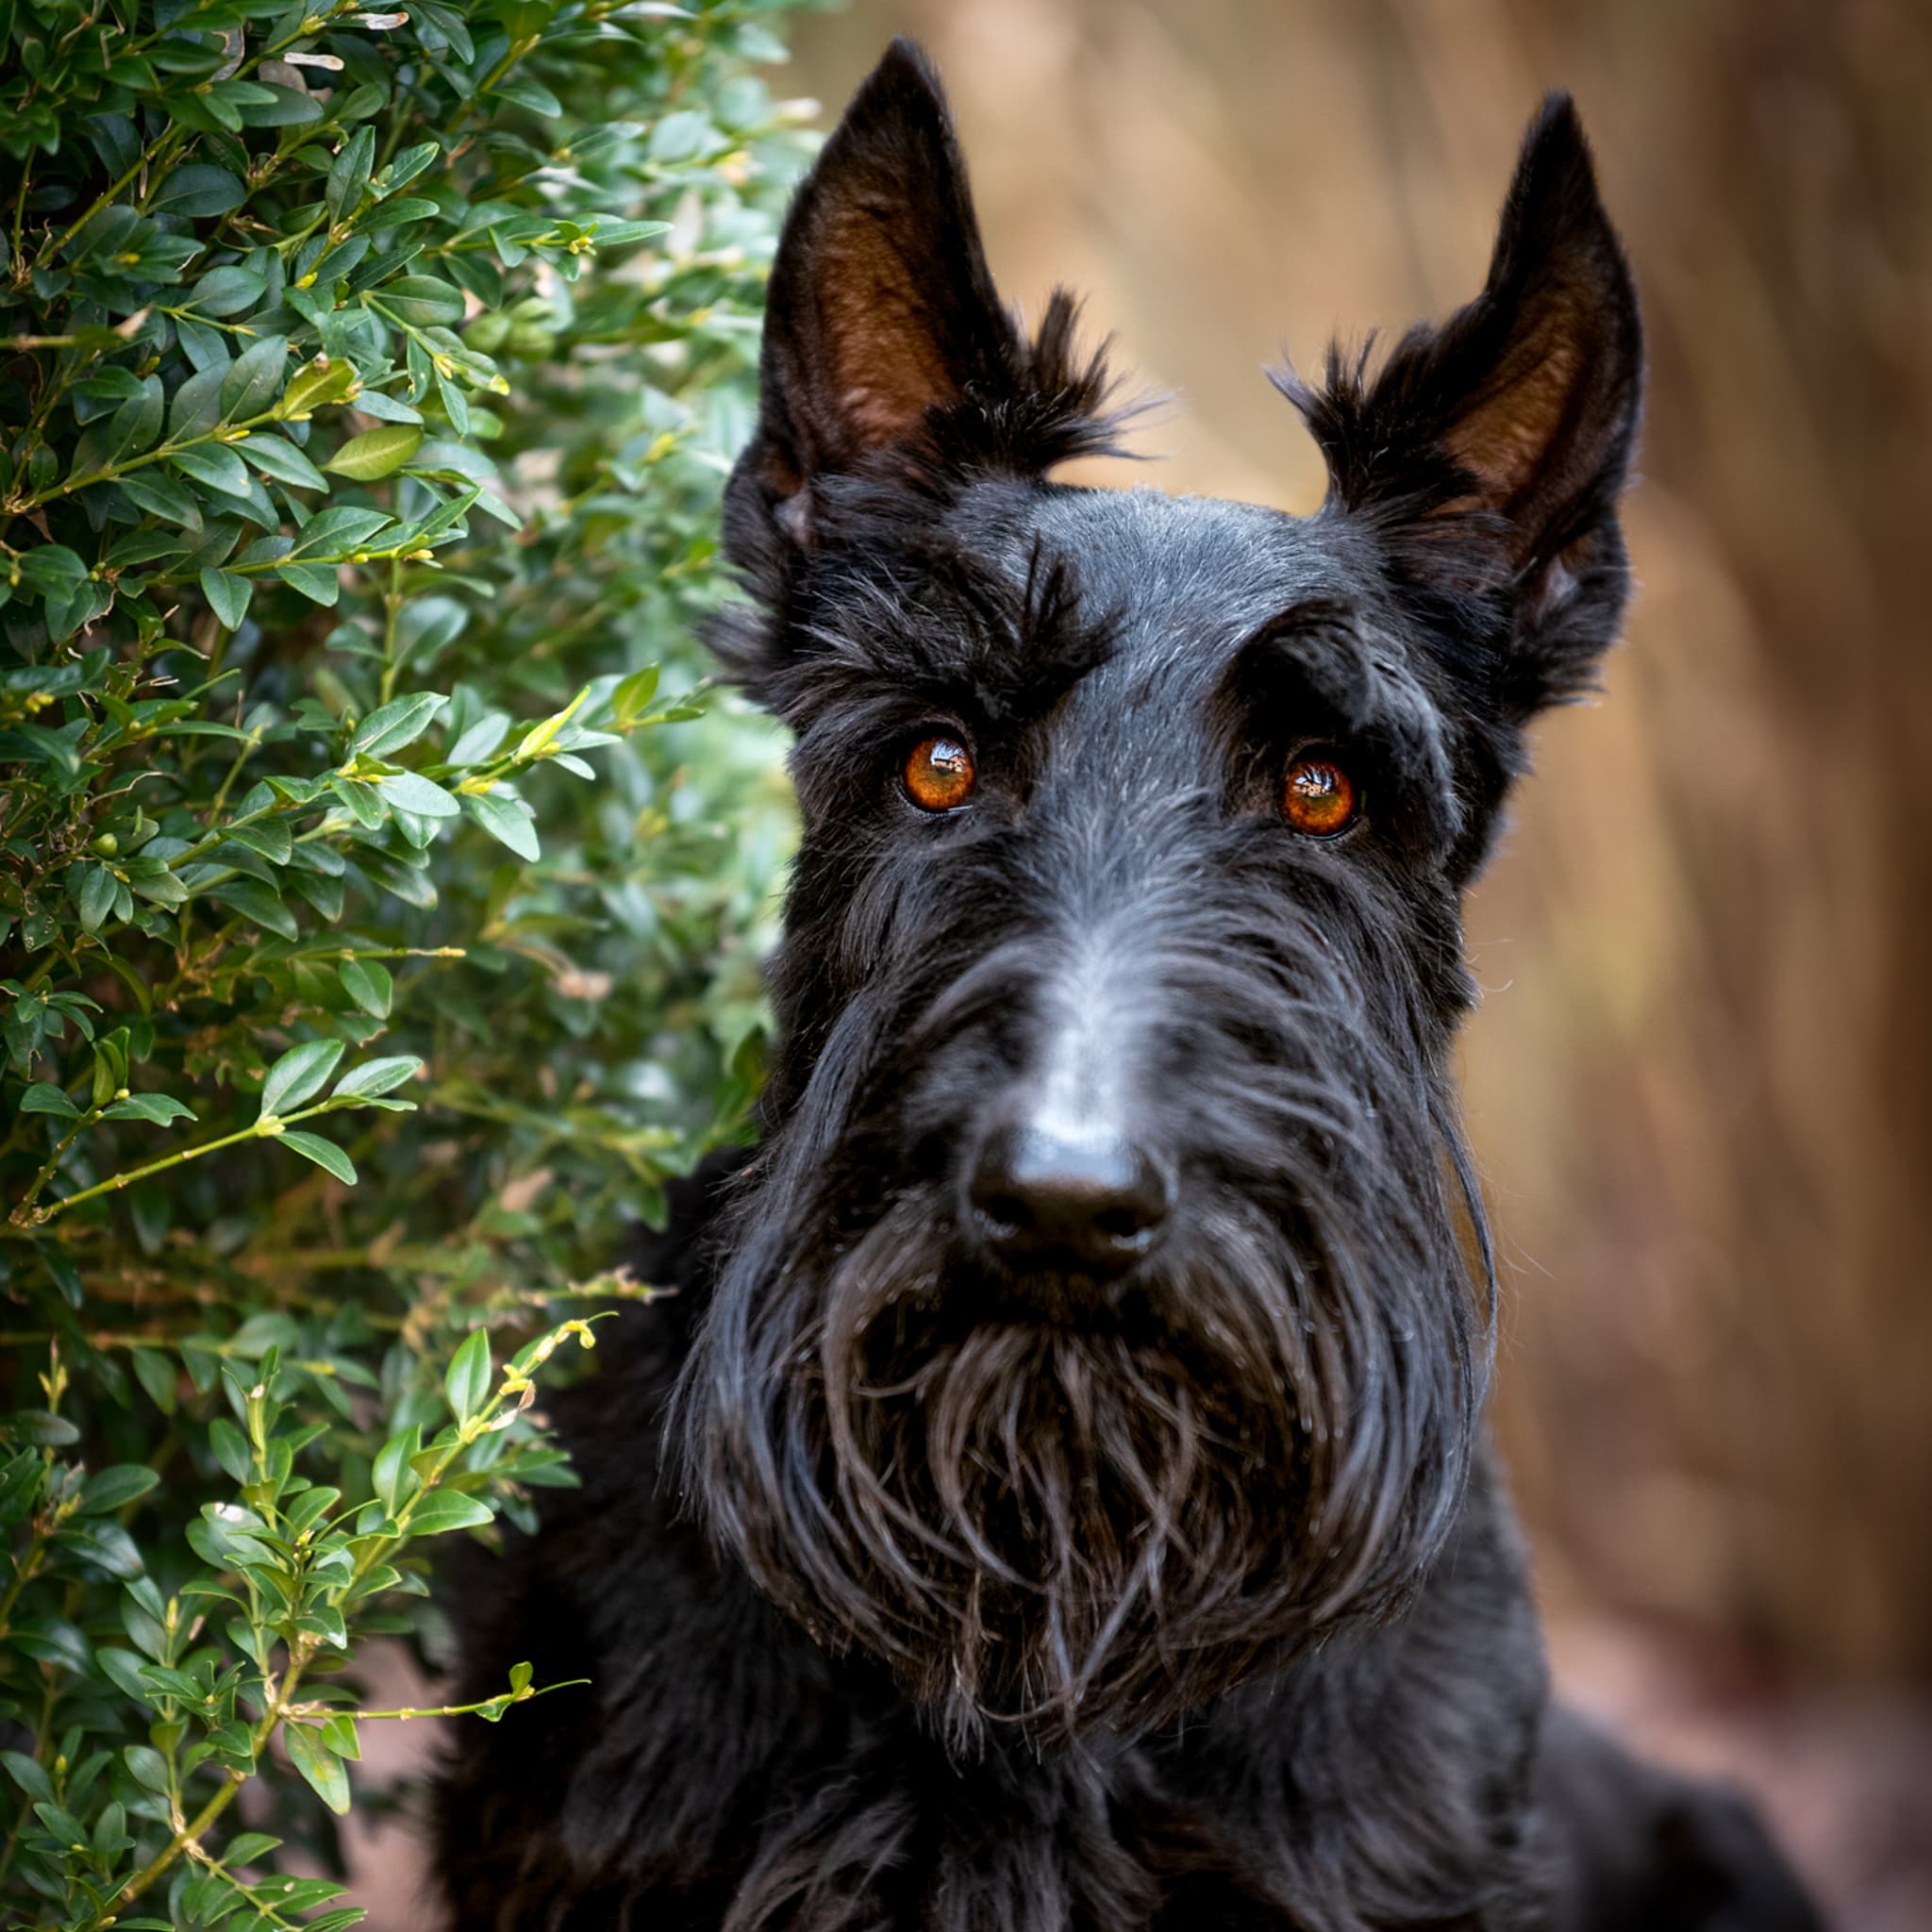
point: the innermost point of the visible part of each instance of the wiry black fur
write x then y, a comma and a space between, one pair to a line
926, 1585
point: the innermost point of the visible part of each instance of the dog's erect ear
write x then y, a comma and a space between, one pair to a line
1492, 449
882, 326
880, 306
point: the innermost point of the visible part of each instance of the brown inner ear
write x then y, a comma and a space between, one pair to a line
1505, 440
883, 342
1526, 439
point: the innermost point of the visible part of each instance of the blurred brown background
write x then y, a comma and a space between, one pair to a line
1698, 1084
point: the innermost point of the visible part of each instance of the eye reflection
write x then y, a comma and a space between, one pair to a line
1319, 798
939, 773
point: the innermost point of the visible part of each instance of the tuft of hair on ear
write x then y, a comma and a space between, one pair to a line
1490, 450
887, 354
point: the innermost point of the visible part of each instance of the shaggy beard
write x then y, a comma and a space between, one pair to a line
1091, 1522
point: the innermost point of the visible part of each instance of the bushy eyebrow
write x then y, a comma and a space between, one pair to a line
1319, 669
942, 621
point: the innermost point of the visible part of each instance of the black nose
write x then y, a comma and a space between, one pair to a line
1092, 1205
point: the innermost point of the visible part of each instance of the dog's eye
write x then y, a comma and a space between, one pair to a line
940, 773
1319, 798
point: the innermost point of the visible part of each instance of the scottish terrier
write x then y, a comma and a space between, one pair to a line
1058, 1496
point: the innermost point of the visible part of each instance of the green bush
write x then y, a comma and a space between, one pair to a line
367, 381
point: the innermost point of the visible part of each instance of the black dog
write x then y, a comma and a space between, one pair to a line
1059, 1499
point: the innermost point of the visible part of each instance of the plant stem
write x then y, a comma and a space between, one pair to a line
273, 1125
392, 610
507, 1697
157, 155
248, 750
223, 433
47, 1173
26, 170
190, 1833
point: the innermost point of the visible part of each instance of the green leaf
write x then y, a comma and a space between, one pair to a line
52, 1641
323, 1153
531, 95
369, 984
197, 405
390, 1476
506, 819
157, 1110
259, 903
161, 496
338, 1734
113, 1489
442, 1511
271, 839
633, 696
214, 464
300, 1075
29, 1776
411, 791
105, 1544
225, 292
91, 889
197, 189
231, 1450
287, 108
321, 583
390, 726
467, 1380
161, 888
480, 738
283, 461
44, 1097
158, 1374
52, 569
326, 379
123, 1668
377, 1076
64, 1825
349, 176
149, 1768
376, 453
255, 379
110, 1836
319, 1766
227, 595
41, 1428
423, 301
341, 526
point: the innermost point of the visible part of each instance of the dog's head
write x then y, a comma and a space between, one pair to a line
1107, 1311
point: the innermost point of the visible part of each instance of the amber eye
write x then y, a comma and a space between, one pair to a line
1319, 798
938, 775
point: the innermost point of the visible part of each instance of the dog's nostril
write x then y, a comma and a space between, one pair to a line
1120, 1224
1003, 1210
1094, 1203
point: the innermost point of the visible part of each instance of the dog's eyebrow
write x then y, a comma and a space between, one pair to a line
949, 623
1316, 649
1320, 667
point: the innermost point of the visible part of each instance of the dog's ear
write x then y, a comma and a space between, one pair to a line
880, 306
1490, 450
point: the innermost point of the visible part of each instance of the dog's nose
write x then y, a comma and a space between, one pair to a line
1094, 1203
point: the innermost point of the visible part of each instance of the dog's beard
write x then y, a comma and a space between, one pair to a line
1062, 1523
1095, 1518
